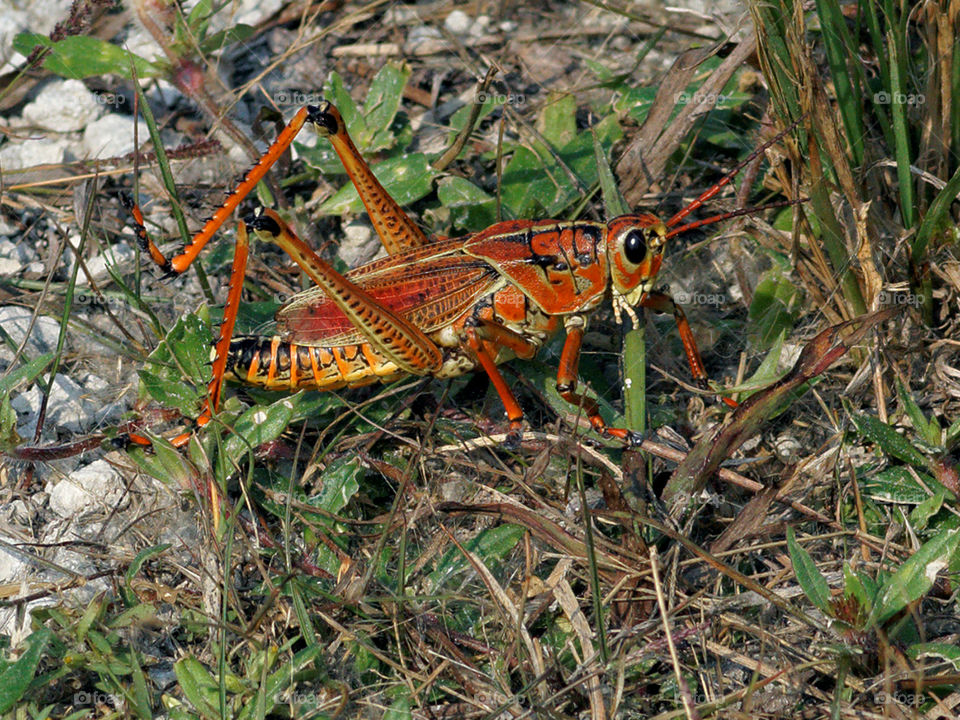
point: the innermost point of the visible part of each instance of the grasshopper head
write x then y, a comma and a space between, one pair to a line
634, 253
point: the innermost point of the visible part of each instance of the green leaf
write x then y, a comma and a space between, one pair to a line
129, 596
16, 677
336, 93
558, 121
177, 372
944, 652
340, 482
406, 179
922, 513
774, 309
199, 687
889, 440
915, 577
470, 207
382, 104
26, 373
491, 544
897, 484
82, 56
236, 34
928, 430
613, 201
812, 582
862, 588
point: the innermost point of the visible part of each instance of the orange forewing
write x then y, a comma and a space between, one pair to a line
431, 286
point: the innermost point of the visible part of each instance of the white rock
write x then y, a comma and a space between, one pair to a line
63, 106
11, 564
33, 151
37, 16
111, 136
18, 252
480, 26
98, 487
359, 245
97, 265
69, 407
252, 12
458, 22
12, 21
43, 335
8, 228
423, 39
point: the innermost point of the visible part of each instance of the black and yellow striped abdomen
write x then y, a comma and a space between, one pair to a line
270, 363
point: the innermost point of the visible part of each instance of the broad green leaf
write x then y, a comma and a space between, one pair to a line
558, 121
26, 373
399, 709
812, 582
177, 372
335, 92
897, 484
82, 56
774, 309
471, 209
889, 440
257, 425
915, 577
341, 481
859, 586
947, 652
15, 678
491, 544
199, 687
922, 513
406, 179
928, 430
382, 104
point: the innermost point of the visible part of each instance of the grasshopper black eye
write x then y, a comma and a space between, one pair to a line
634, 247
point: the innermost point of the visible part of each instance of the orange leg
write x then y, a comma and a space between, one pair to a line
663, 303
396, 230
567, 384
510, 404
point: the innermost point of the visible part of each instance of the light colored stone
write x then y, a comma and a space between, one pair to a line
16, 321
33, 151
69, 407
360, 245
111, 136
63, 106
98, 487
458, 22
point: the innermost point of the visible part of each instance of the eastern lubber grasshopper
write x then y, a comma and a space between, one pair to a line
439, 307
